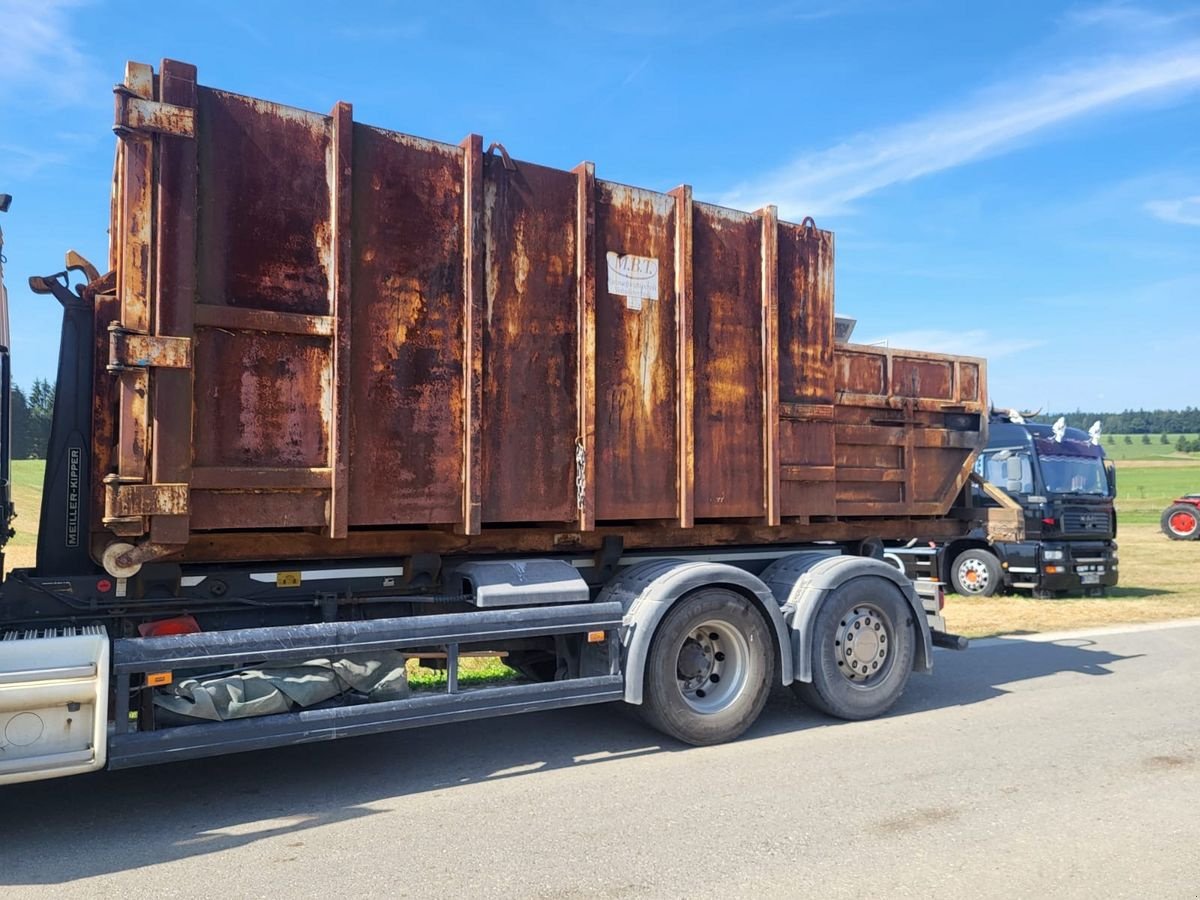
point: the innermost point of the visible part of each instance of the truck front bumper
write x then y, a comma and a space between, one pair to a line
1069, 566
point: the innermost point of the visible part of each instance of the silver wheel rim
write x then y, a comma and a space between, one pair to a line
712, 666
973, 576
863, 645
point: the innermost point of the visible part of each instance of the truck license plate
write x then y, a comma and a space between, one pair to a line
1091, 579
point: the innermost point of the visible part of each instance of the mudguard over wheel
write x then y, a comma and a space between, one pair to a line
1181, 522
863, 645
709, 670
976, 573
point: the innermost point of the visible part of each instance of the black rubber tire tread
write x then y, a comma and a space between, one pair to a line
995, 573
832, 693
1193, 511
663, 706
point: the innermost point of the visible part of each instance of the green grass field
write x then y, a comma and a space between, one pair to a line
27, 476
1119, 450
1150, 476
1144, 491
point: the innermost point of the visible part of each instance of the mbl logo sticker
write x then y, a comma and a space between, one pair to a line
633, 277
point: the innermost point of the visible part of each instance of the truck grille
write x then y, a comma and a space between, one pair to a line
1091, 522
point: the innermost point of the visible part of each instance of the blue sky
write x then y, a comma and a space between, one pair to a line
1019, 181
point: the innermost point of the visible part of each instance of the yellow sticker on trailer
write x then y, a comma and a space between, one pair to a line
287, 579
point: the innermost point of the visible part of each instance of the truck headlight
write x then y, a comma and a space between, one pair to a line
1052, 554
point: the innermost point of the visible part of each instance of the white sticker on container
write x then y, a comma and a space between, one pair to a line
633, 277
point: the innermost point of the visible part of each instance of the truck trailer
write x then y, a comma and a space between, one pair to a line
341, 398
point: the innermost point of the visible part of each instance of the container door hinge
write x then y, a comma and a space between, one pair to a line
134, 114
125, 504
134, 350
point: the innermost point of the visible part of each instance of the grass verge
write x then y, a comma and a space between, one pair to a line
1160, 580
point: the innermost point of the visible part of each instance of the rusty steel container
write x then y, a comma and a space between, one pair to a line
328, 339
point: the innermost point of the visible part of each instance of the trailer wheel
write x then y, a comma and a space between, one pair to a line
709, 669
863, 646
976, 573
1181, 522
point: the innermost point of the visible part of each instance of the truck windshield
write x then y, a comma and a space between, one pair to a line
1074, 475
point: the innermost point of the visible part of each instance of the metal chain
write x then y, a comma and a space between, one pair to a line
580, 473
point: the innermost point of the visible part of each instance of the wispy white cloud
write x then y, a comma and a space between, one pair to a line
42, 58
22, 162
968, 342
991, 122
1127, 17
1183, 211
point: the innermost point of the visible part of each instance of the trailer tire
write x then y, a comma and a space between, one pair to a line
976, 573
709, 669
1181, 522
864, 679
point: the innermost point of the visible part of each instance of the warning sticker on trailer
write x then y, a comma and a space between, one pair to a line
633, 277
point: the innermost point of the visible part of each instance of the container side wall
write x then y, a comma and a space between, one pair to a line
806, 371
407, 330
529, 410
636, 365
264, 224
727, 322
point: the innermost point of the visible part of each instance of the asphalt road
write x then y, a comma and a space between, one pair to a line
1019, 769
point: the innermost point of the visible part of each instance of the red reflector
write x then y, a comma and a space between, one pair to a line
1049, 522
104, 585
164, 627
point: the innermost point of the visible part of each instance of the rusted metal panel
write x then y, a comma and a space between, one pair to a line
968, 381
127, 350
239, 319
174, 299
134, 278
258, 399
636, 357
407, 368
389, 333
273, 509
530, 344
263, 239
926, 378
132, 113
727, 341
586, 266
134, 500
341, 204
258, 478
473, 322
862, 373
770, 357
685, 477
806, 371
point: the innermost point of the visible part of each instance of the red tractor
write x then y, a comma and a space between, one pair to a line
1181, 520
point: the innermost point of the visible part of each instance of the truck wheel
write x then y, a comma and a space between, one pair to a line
863, 646
709, 669
976, 573
1181, 522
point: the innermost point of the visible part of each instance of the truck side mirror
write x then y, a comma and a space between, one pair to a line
1110, 469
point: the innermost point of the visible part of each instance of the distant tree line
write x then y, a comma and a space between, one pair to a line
31, 420
1135, 421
